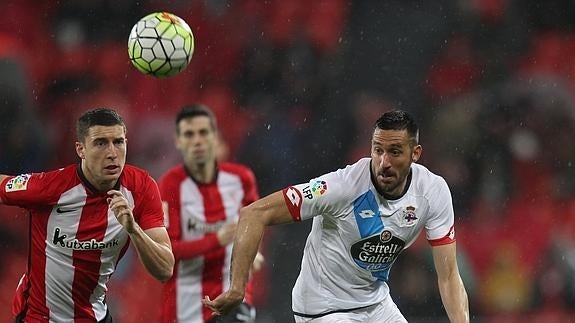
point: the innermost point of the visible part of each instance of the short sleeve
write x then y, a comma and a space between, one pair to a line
26, 190
325, 195
439, 227
148, 210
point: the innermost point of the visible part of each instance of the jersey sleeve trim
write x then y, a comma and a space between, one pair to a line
447, 239
293, 200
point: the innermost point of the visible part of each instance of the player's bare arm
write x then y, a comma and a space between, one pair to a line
267, 211
153, 245
2, 177
453, 294
226, 236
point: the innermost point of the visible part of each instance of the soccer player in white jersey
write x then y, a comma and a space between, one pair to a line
364, 215
82, 218
202, 197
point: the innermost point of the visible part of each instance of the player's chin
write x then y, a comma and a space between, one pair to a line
111, 175
387, 187
200, 160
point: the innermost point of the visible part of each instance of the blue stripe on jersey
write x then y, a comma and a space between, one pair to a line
366, 211
369, 223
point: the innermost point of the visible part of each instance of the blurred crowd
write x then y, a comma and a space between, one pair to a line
296, 86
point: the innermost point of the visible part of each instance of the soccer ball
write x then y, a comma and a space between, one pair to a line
161, 44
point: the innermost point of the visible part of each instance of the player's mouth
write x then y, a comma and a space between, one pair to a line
111, 169
386, 177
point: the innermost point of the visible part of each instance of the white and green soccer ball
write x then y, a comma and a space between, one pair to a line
161, 44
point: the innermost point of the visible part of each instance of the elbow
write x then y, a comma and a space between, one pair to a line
166, 273
164, 277
253, 216
248, 214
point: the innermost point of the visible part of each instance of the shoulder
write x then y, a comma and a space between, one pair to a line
424, 176
135, 172
134, 177
66, 176
176, 173
346, 183
428, 183
353, 176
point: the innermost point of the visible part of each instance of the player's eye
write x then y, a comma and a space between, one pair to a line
99, 143
204, 132
395, 152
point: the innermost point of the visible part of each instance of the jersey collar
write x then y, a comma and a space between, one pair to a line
213, 180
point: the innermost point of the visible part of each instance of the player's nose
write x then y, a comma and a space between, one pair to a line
111, 151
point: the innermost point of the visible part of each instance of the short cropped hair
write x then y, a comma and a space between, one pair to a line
399, 120
97, 117
196, 110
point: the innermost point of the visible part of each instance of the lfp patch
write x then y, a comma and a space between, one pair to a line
319, 188
18, 183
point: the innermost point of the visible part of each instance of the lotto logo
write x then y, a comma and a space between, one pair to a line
293, 196
364, 214
293, 200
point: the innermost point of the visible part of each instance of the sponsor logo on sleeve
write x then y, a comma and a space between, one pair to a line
451, 234
18, 183
447, 239
293, 199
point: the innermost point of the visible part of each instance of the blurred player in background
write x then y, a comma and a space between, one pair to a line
82, 218
364, 215
202, 198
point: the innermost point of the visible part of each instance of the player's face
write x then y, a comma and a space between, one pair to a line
103, 155
197, 141
392, 152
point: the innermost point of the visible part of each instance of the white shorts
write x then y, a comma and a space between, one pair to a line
384, 312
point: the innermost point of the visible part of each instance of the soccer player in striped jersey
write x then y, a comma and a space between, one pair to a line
364, 215
202, 198
82, 218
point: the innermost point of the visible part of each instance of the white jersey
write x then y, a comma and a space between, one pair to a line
357, 234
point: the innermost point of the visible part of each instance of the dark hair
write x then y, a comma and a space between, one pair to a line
399, 120
97, 117
195, 110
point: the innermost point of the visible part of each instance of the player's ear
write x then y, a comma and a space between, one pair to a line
176, 141
416, 153
80, 150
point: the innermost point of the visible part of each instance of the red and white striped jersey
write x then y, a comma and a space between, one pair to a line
75, 240
195, 212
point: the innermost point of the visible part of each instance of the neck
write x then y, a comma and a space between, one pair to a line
99, 186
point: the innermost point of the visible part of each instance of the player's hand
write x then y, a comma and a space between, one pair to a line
119, 205
258, 262
226, 233
224, 303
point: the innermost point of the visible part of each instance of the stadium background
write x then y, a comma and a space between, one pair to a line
296, 86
